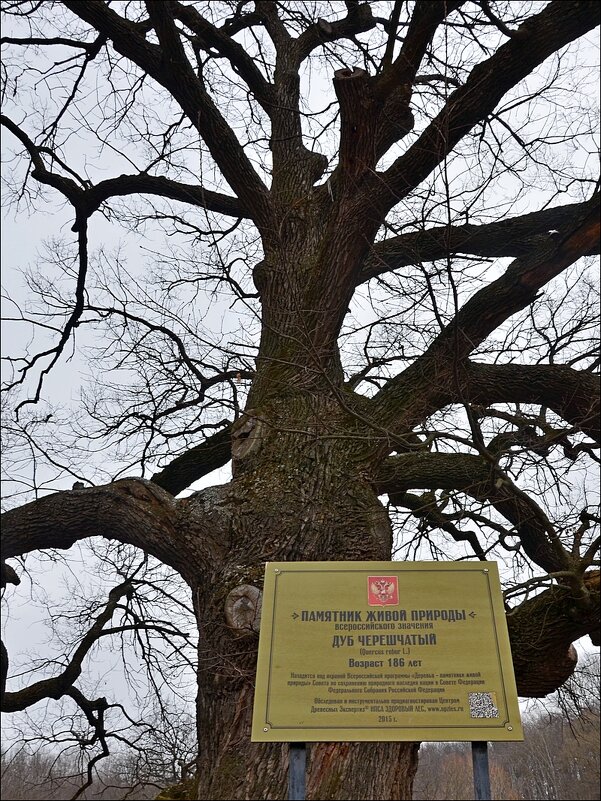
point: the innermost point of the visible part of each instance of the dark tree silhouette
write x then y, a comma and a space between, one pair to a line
342, 178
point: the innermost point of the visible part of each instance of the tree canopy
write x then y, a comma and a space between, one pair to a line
344, 247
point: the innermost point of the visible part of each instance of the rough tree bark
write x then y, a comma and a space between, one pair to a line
310, 456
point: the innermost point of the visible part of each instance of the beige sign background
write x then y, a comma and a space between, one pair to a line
384, 651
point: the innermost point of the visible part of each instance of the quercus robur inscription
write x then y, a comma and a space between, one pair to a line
421, 652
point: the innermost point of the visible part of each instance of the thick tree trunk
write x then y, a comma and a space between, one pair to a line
231, 767
299, 493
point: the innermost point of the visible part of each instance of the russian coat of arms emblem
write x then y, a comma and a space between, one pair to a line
382, 590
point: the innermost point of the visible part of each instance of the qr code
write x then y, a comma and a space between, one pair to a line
483, 705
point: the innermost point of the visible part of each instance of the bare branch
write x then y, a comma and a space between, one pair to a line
71, 324
518, 287
130, 510
425, 20
195, 463
60, 685
572, 394
208, 36
358, 19
438, 369
34, 41
66, 186
169, 65
484, 481
558, 24
513, 236
424, 508
87, 198
145, 184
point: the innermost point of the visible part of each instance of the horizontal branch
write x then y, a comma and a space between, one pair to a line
431, 471
573, 395
145, 184
519, 285
132, 511
478, 478
412, 397
358, 20
87, 198
515, 236
36, 41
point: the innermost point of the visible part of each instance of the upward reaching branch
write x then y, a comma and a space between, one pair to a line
426, 18
168, 64
557, 25
208, 36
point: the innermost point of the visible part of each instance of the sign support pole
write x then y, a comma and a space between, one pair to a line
297, 765
481, 772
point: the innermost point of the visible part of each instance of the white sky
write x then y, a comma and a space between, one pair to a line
20, 243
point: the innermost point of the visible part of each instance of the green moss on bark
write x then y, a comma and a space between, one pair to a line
184, 791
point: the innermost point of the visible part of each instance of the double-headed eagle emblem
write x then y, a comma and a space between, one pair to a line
382, 590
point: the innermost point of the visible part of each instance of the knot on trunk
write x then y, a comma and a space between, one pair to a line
243, 609
247, 434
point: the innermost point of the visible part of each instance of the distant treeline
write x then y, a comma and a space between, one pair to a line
558, 760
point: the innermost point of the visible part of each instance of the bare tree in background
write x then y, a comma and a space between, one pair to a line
144, 620
325, 192
559, 758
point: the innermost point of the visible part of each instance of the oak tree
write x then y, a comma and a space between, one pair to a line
390, 205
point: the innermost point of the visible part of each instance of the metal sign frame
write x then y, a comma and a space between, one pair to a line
384, 651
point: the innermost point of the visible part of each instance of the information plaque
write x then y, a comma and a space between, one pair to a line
384, 651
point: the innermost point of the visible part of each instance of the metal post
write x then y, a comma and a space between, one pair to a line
481, 773
297, 764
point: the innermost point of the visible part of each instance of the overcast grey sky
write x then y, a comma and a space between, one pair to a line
22, 239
